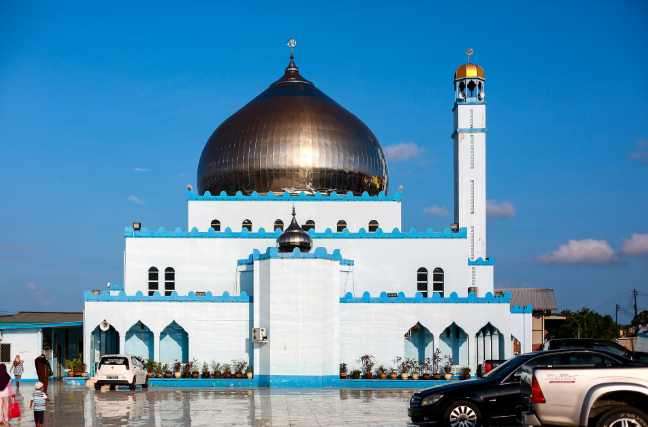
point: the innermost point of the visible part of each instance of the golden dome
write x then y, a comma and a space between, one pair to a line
469, 70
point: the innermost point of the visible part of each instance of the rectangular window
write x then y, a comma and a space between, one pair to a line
5, 353
472, 151
472, 242
472, 196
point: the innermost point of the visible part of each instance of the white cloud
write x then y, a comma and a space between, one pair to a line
641, 153
39, 295
636, 246
141, 170
586, 251
435, 210
135, 199
500, 210
403, 152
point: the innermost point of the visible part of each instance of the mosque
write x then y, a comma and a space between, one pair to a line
294, 258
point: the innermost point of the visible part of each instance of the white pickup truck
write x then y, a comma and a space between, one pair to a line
596, 393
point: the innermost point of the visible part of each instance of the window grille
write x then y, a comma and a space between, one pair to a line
472, 242
169, 281
215, 224
473, 276
341, 225
437, 281
153, 283
373, 226
422, 281
471, 118
5, 353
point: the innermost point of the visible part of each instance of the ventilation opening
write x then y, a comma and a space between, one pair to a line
278, 224
341, 225
373, 226
215, 224
247, 224
310, 224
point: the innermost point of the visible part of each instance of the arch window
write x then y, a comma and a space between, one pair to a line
169, 281
437, 281
310, 224
247, 224
422, 281
215, 224
373, 226
278, 224
341, 225
153, 280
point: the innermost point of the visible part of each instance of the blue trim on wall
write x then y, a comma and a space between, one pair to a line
527, 309
328, 234
203, 382
480, 261
302, 197
307, 381
174, 297
435, 299
273, 253
42, 325
115, 287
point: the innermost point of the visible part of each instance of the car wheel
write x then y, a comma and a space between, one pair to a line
462, 414
97, 386
624, 416
112, 386
145, 385
132, 385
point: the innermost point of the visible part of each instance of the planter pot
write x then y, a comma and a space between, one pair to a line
195, 375
168, 375
404, 375
437, 376
367, 376
415, 376
466, 376
426, 376
383, 376
151, 374
393, 375
238, 375
447, 376
217, 374
356, 376
177, 374
158, 375
227, 375
77, 374
250, 375
343, 376
70, 374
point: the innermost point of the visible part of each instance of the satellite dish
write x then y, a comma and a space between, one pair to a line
462, 95
104, 326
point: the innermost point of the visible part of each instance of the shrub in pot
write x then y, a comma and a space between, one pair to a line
343, 371
216, 369
239, 366
382, 372
367, 361
250, 374
426, 366
227, 370
466, 373
177, 369
436, 364
393, 374
448, 367
415, 369
356, 374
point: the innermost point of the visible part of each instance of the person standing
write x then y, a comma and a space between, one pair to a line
43, 370
38, 401
5, 394
17, 368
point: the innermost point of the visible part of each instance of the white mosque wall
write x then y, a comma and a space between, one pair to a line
389, 265
27, 343
264, 213
521, 329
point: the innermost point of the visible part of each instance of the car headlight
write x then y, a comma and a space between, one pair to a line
430, 400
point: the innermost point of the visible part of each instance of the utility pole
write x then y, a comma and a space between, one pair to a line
634, 294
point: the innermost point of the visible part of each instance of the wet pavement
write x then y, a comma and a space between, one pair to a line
76, 405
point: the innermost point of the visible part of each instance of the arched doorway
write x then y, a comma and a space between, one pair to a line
139, 341
454, 343
174, 344
419, 342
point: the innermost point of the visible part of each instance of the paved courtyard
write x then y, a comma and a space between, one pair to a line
80, 406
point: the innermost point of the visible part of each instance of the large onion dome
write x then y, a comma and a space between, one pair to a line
294, 237
292, 137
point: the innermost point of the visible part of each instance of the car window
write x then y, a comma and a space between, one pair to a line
549, 359
570, 347
610, 348
114, 361
591, 359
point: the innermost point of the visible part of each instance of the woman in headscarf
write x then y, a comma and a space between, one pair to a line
17, 368
43, 370
5, 394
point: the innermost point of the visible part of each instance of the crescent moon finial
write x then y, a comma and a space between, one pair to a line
469, 52
291, 44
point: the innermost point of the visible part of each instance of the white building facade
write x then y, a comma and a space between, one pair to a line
365, 287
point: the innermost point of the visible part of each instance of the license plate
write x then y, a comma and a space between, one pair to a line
410, 412
113, 378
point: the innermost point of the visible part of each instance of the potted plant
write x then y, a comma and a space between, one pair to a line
356, 374
239, 367
227, 370
367, 361
425, 367
466, 372
382, 372
393, 374
216, 369
436, 364
70, 365
163, 370
343, 371
405, 366
447, 368
177, 369
250, 374
415, 369
150, 367
205, 369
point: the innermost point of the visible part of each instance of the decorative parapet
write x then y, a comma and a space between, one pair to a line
156, 297
115, 287
263, 234
273, 253
527, 309
480, 261
435, 299
302, 197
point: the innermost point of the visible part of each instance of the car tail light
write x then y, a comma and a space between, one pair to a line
537, 396
488, 367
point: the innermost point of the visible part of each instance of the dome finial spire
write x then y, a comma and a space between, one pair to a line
468, 52
291, 44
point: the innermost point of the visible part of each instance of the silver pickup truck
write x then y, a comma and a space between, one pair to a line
596, 394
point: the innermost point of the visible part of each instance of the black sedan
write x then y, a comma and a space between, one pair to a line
491, 399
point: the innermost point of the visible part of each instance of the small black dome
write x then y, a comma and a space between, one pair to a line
294, 237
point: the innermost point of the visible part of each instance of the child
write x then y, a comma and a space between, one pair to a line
38, 401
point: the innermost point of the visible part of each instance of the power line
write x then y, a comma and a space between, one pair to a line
622, 295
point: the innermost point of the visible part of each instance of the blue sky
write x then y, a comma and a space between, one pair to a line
105, 109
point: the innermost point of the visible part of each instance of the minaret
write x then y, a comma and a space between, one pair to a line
470, 156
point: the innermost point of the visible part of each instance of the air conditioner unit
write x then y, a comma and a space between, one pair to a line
259, 335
